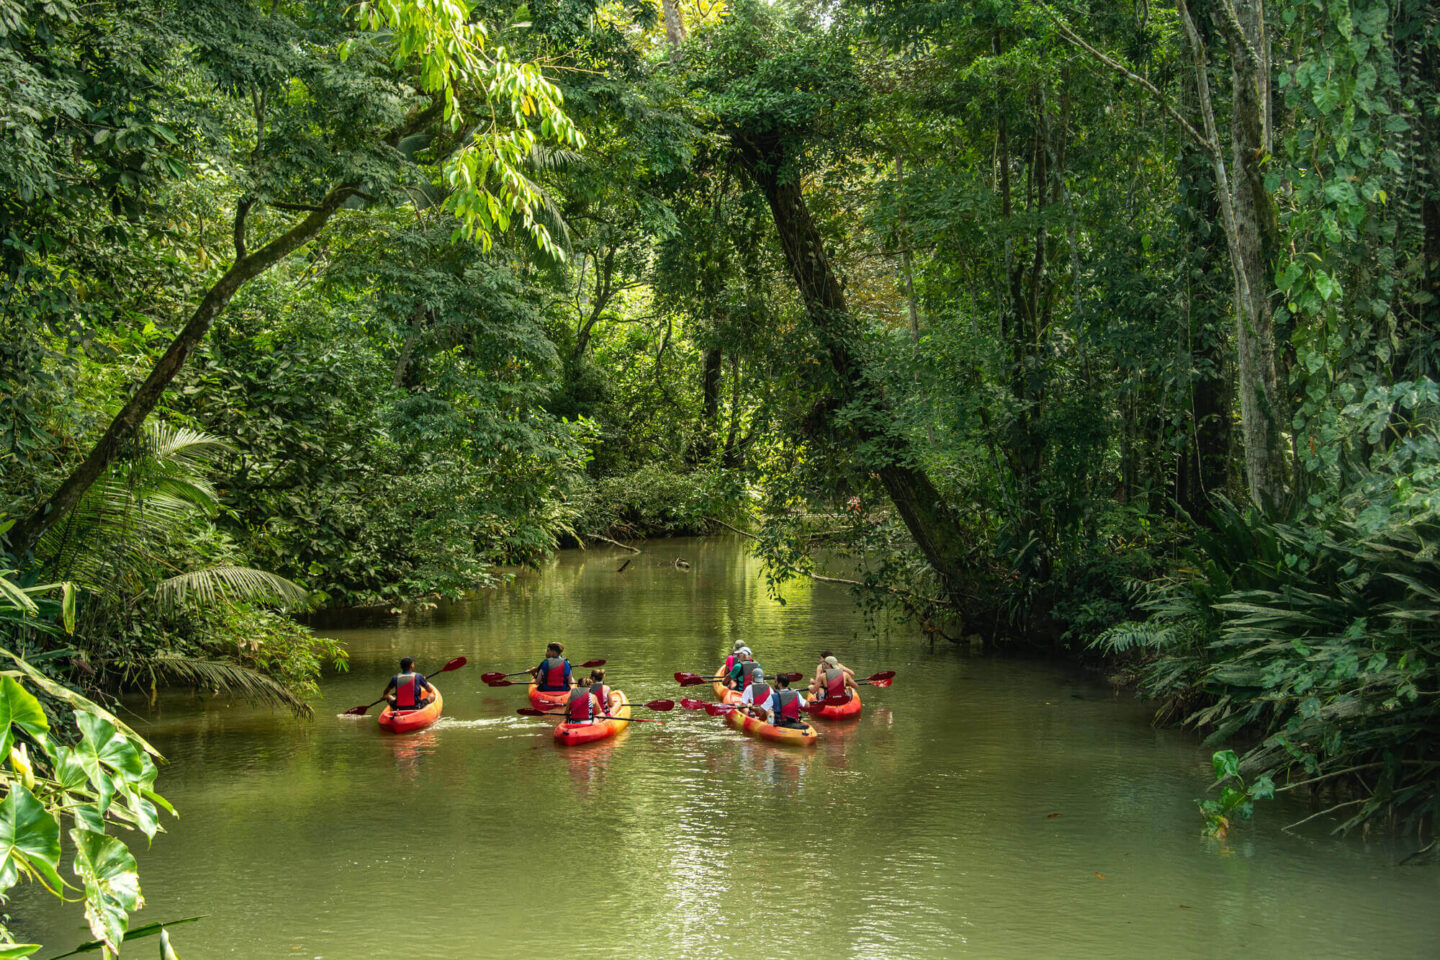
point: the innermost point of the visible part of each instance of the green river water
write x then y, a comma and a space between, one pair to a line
981, 807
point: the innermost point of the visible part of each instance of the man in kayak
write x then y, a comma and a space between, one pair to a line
758, 696
833, 681
741, 672
787, 704
410, 688
554, 671
601, 691
584, 706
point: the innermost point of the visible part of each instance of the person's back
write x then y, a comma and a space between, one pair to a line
582, 706
787, 705
554, 671
410, 688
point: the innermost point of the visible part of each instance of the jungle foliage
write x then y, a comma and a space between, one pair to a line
1105, 328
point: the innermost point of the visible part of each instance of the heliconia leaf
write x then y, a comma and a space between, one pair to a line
112, 884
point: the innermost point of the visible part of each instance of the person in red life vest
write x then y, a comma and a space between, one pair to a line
412, 691
743, 669
833, 681
787, 704
584, 706
730, 660
601, 691
757, 700
554, 671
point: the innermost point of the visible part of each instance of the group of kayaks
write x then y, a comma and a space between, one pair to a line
618, 715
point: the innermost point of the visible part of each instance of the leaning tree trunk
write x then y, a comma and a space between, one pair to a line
927, 517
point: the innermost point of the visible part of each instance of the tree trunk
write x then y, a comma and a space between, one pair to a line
925, 514
710, 405
674, 29
1249, 218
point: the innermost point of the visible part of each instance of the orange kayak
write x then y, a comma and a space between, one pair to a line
800, 736
548, 699
603, 729
403, 721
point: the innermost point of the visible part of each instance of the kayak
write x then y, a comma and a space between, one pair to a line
403, 721
573, 733
548, 699
800, 736
848, 710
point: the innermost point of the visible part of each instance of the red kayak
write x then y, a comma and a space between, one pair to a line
601, 729
548, 699
848, 710
403, 721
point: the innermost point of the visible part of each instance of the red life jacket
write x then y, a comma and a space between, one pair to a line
789, 704
552, 673
760, 694
405, 690
603, 693
579, 709
835, 686
747, 667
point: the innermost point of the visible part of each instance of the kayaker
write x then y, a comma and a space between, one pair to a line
730, 660
758, 698
408, 685
833, 681
601, 691
740, 673
554, 671
584, 706
788, 704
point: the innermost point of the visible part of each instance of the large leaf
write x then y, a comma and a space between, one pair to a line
220, 585
29, 840
112, 884
107, 756
18, 707
12, 951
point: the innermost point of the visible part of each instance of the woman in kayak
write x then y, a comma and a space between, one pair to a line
601, 691
584, 706
741, 671
410, 688
730, 660
554, 671
833, 681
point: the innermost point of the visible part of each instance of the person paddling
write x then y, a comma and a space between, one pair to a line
787, 704
833, 681
554, 671
584, 706
601, 691
408, 686
757, 700
741, 672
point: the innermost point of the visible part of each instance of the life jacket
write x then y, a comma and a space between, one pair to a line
552, 673
603, 692
747, 667
729, 664
736, 668
760, 694
579, 709
405, 692
835, 686
789, 708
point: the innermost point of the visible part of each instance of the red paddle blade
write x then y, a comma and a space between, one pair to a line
661, 705
792, 677
492, 677
690, 704
358, 711
682, 677
593, 663
886, 675
455, 664
694, 681
504, 683
882, 683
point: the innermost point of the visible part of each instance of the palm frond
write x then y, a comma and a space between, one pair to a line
224, 677
227, 584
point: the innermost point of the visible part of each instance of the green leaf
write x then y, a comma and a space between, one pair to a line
148, 930
1226, 764
10, 951
112, 884
19, 707
29, 840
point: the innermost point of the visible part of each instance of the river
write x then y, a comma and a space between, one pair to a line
981, 807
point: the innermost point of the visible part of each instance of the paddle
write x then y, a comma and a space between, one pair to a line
695, 679
532, 712
498, 679
455, 664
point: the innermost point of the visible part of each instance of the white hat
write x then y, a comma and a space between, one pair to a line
744, 652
